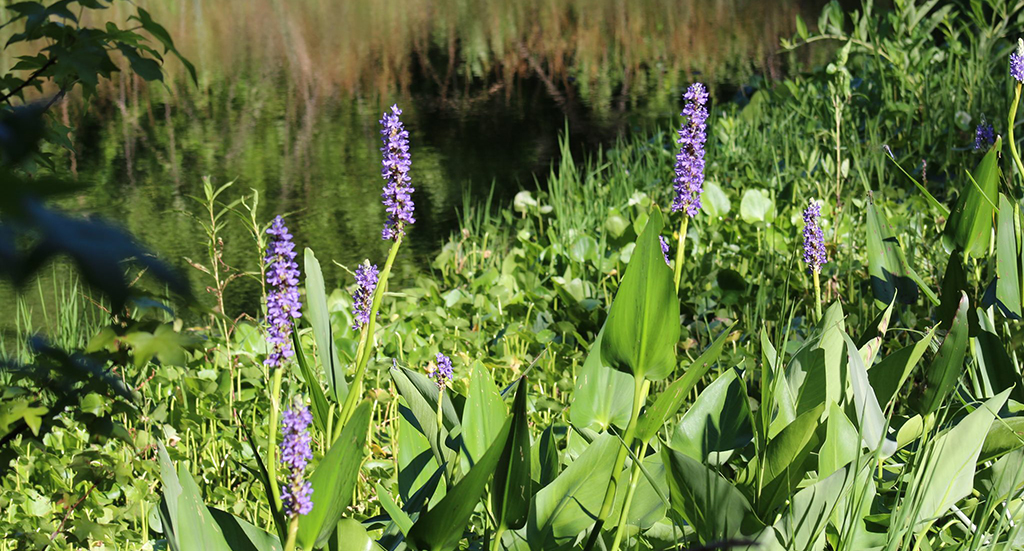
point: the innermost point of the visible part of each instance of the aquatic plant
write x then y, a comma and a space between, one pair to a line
283, 305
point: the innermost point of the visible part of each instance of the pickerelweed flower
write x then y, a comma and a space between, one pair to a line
366, 279
664, 247
1017, 62
397, 196
297, 492
984, 136
441, 372
283, 304
814, 238
689, 180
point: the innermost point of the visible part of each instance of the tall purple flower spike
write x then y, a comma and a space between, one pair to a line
283, 304
984, 136
296, 492
443, 373
814, 238
366, 279
397, 196
1017, 62
689, 180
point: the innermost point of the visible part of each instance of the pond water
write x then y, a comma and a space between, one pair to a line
289, 95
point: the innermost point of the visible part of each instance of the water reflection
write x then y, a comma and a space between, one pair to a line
290, 93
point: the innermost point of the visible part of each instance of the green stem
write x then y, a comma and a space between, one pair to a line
680, 249
293, 532
817, 295
633, 480
640, 388
275, 408
496, 546
1013, 142
365, 348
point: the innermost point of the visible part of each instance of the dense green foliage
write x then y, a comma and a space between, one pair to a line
594, 405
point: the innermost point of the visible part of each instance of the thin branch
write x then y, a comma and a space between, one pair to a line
7, 97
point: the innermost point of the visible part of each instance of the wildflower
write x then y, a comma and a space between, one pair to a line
984, 136
814, 238
441, 372
366, 279
296, 493
664, 248
689, 180
397, 196
283, 304
1017, 62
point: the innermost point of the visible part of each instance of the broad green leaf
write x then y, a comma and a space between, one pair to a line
1007, 261
719, 420
643, 323
604, 396
803, 525
947, 473
195, 528
567, 506
787, 459
1006, 435
870, 418
320, 319
320, 407
714, 202
757, 206
334, 480
841, 446
171, 492
441, 527
994, 364
353, 536
887, 377
398, 516
422, 395
970, 223
416, 459
945, 370
242, 535
815, 373
484, 415
510, 497
708, 502
886, 263
671, 399
1004, 478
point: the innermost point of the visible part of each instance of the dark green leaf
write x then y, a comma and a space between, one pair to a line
335, 479
643, 324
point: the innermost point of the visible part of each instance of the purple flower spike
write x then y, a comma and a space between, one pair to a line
984, 136
814, 238
442, 372
283, 304
397, 196
689, 180
1017, 62
366, 278
664, 248
296, 493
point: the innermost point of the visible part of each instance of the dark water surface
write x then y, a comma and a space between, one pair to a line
289, 96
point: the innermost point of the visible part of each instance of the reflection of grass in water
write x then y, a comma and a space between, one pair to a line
373, 47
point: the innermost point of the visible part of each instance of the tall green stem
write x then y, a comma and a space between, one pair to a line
365, 347
634, 479
1013, 143
680, 249
275, 408
817, 295
640, 388
293, 532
